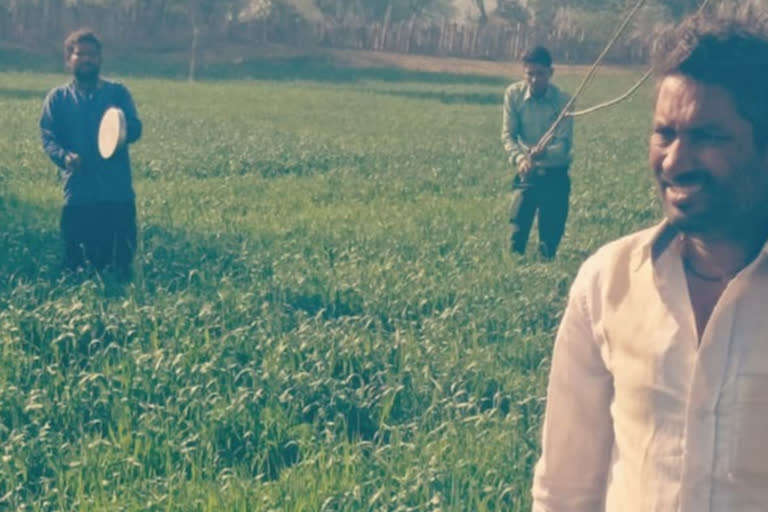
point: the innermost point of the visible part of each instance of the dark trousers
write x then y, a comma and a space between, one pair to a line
548, 194
101, 234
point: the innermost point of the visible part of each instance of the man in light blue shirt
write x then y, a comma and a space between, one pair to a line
542, 182
98, 220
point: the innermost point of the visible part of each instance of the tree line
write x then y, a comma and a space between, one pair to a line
495, 29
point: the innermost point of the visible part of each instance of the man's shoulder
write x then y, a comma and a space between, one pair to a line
58, 91
61, 87
516, 88
113, 84
620, 254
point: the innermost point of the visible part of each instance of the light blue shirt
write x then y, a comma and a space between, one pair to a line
526, 119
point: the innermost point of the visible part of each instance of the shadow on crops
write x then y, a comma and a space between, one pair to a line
277, 458
302, 164
21, 94
307, 165
29, 246
328, 69
256, 441
315, 68
328, 304
175, 261
172, 261
31, 255
448, 98
169, 261
351, 391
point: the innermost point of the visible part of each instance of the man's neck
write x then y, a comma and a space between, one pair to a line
721, 257
87, 84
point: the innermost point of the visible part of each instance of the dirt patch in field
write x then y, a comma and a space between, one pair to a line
429, 64
353, 59
424, 63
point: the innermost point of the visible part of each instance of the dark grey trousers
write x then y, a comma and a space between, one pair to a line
547, 195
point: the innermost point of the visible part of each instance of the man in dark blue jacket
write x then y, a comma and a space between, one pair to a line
98, 220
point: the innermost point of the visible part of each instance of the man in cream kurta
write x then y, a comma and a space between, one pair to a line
658, 392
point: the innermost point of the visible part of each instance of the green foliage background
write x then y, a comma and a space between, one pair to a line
324, 316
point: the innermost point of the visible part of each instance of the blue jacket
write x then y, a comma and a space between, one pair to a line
70, 123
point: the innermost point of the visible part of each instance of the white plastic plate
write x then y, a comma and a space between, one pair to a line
111, 132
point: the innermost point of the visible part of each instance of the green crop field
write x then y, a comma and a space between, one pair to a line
324, 314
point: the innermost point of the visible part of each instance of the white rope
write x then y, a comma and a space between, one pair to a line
614, 101
631, 90
551, 132
547, 137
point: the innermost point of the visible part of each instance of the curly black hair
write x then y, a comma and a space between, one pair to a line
538, 55
726, 51
82, 35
